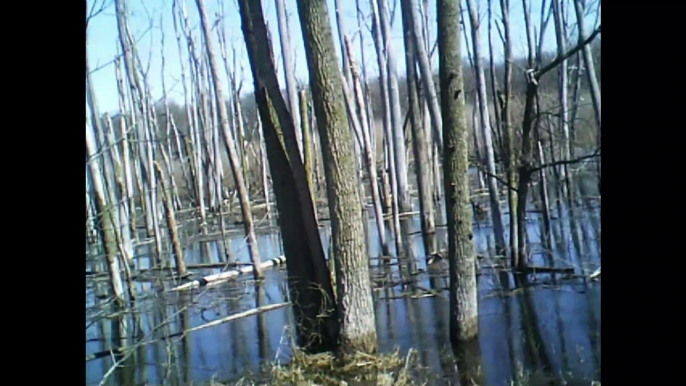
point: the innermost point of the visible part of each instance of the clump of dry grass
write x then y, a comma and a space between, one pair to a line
325, 369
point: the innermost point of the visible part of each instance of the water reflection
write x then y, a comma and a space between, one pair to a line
550, 328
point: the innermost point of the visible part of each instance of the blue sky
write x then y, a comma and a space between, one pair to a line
149, 19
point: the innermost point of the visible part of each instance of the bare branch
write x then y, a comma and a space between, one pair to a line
95, 11
539, 74
595, 154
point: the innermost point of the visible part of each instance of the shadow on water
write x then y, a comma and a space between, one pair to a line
549, 327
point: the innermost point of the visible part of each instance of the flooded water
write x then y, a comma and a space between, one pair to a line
553, 327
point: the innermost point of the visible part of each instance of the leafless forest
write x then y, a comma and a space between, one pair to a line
435, 154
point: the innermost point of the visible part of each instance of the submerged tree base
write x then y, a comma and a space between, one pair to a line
391, 369
366, 343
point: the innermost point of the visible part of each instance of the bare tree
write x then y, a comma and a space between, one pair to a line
496, 215
398, 139
461, 255
104, 211
231, 148
368, 150
420, 144
388, 179
425, 68
289, 70
510, 158
353, 286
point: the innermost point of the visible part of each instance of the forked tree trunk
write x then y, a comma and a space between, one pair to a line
309, 282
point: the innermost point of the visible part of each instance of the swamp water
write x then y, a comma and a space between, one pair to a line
552, 327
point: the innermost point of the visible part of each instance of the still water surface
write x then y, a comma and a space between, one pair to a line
555, 325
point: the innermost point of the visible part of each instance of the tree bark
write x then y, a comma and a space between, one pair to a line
104, 213
461, 256
353, 286
316, 315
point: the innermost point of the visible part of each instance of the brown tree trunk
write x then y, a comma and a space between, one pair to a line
309, 281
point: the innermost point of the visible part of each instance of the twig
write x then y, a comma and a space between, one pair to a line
538, 74
570, 162
230, 318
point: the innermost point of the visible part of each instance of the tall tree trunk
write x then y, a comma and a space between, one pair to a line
510, 159
588, 62
398, 139
233, 158
496, 215
353, 286
563, 91
289, 71
171, 224
422, 160
590, 71
425, 69
368, 150
309, 281
308, 157
142, 114
126, 157
103, 213
193, 156
265, 166
461, 255
389, 121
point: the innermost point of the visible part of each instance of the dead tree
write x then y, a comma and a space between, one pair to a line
496, 215
231, 148
289, 70
420, 145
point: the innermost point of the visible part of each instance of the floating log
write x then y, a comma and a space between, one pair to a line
228, 275
538, 269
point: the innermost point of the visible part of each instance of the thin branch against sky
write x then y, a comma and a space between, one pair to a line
102, 42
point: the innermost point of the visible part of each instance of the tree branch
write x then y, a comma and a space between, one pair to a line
500, 180
596, 153
539, 74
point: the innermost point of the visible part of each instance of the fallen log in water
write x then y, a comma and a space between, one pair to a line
537, 269
228, 275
